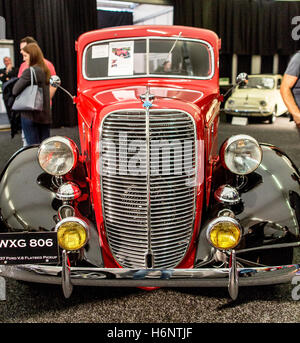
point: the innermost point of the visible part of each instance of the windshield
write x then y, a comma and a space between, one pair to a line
259, 82
148, 57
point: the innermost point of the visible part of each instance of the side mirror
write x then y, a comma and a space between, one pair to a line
55, 81
242, 78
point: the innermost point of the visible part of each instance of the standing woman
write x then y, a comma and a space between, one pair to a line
36, 125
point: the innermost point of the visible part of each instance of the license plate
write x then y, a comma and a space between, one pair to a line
239, 121
28, 248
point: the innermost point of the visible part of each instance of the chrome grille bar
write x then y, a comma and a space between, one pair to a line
151, 209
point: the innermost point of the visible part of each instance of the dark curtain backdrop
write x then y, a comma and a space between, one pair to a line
114, 18
262, 27
56, 25
246, 27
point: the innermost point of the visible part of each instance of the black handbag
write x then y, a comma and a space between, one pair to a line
31, 98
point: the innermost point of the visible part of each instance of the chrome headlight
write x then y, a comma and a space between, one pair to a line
57, 155
241, 154
224, 233
263, 103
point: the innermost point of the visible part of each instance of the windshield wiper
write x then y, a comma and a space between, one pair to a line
172, 48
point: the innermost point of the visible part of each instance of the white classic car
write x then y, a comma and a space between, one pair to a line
258, 97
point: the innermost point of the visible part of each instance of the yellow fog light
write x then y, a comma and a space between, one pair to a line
224, 233
72, 233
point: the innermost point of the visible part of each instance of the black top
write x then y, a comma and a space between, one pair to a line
4, 76
43, 117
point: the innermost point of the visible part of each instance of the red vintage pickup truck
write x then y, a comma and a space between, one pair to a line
148, 200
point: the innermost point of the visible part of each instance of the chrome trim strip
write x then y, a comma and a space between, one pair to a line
147, 57
246, 111
147, 74
233, 284
67, 285
148, 175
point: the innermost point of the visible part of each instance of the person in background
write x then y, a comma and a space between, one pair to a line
7, 77
9, 71
290, 88
166, 67
35, 125
23, 42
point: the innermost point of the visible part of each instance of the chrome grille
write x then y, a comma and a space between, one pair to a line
133, 231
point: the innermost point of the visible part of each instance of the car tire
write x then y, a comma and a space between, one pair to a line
228, 118
272, 117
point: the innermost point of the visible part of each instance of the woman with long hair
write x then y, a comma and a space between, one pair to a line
35, 124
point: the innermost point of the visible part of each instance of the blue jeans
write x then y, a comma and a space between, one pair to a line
34, 133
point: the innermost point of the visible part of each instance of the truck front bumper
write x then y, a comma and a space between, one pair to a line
122, 277
248, 112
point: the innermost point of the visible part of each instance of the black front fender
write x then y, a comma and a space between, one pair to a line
274, 193
28, 202
269, 209
24, 204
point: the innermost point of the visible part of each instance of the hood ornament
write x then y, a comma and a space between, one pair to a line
147, 98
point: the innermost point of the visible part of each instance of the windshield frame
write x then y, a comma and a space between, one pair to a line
148, 74
260, 77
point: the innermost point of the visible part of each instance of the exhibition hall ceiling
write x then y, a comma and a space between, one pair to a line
155, 12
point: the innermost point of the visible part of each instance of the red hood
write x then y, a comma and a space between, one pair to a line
109, 97
120, 96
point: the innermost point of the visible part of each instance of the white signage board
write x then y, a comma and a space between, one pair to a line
121, 57
239, 121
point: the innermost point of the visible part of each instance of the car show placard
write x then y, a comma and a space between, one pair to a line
28, 248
